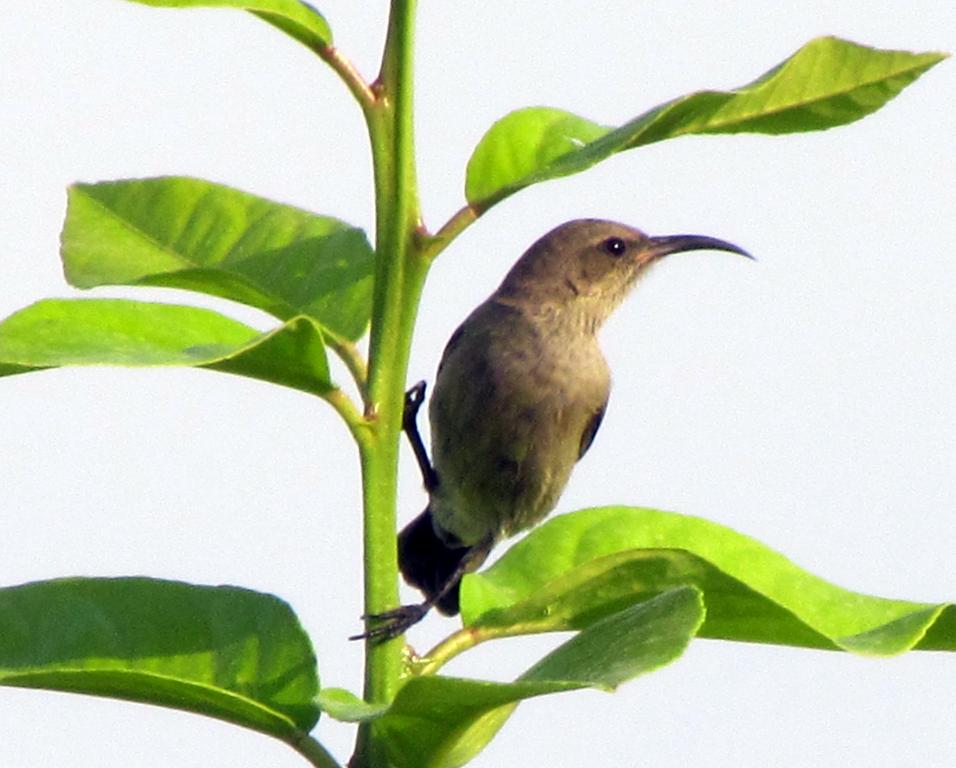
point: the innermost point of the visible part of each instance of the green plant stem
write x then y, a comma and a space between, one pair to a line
344, 406
456, 643
399, 274
349, 354
348, 74
464, 217
468, 637
315, 753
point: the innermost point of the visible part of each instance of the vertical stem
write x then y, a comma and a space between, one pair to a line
399, 274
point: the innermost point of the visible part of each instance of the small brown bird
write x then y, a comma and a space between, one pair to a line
520, 393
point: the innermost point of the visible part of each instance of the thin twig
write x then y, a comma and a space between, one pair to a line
314, 752
349, 354
467, 638
463, 218
344, 406
456, 643
348, 74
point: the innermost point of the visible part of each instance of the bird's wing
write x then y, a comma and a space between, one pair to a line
453, 342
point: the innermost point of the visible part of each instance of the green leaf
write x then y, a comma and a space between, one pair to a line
636, 640
440, 722
188, 233
524, 148
828, 82
345, 706
297, 19
58, 332
226, 652
579, 567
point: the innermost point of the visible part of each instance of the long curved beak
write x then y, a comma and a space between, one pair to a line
665, 245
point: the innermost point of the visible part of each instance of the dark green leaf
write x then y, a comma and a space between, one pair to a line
221, 651
638, 639
828, 82
579, 567
10, 370
58, 332
440, 722
297, 19
193, 234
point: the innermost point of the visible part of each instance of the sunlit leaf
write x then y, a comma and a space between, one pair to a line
297, 19
828, 82
576, 568
441, 722
58, 332
188, 233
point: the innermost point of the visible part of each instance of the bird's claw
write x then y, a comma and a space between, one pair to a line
391, 624
413, 403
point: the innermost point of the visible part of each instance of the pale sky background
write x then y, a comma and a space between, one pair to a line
808, 400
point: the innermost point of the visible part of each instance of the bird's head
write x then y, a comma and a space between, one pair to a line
587, 266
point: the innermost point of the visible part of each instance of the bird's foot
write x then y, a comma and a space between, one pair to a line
413, 403
391, 624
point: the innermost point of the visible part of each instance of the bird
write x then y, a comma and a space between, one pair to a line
519, 395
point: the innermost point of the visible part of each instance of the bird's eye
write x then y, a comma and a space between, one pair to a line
614, 246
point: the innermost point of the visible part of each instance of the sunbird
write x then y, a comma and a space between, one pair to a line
519, 396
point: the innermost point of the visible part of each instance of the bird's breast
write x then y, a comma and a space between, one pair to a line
511, 402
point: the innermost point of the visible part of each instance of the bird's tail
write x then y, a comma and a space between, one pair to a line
428, 563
